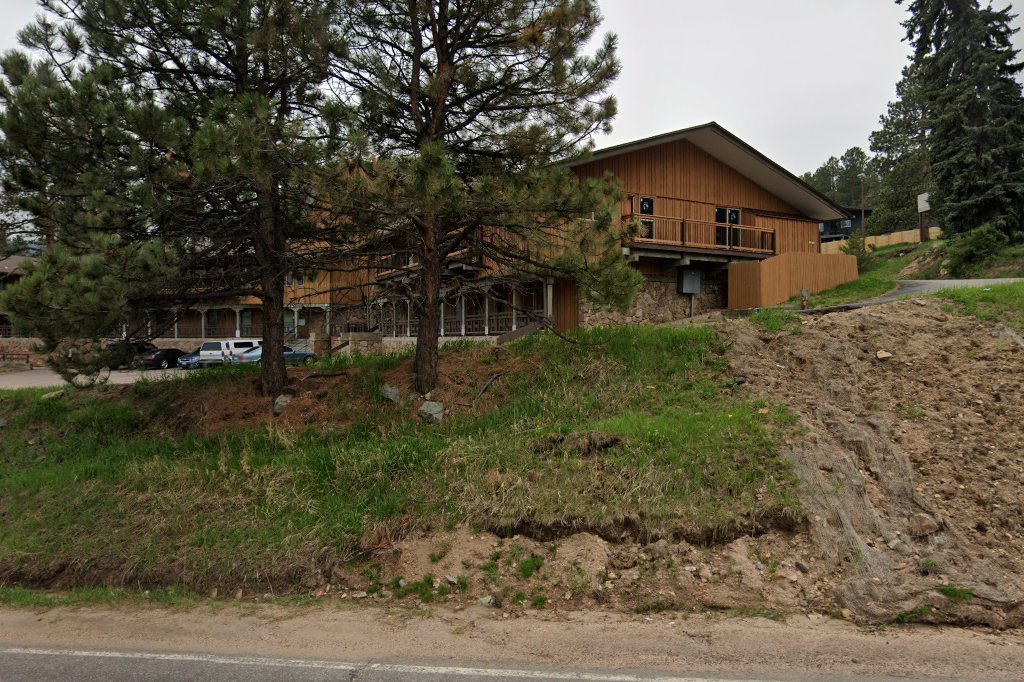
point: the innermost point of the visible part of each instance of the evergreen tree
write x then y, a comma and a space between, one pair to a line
901, 159
840, 178
195, 128
468, 106
973, 112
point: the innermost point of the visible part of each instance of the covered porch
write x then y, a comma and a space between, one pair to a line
484, 310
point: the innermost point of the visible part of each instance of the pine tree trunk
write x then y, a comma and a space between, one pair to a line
271, 253
430, 315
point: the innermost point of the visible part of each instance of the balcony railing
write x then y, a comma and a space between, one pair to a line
701, 234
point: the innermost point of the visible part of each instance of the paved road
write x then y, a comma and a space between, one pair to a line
43, 377
36, 665
920, 287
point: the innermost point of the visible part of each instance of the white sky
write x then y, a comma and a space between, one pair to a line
800, 80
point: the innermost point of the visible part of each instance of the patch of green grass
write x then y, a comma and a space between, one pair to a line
538, 601
527, 567
490, 570
23, 597
98, 483
777, 320
1003, 303
957, 594
914, 615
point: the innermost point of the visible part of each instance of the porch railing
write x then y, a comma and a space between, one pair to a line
702, 234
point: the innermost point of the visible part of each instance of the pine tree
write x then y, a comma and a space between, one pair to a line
197, 127
901, 159
468, 106
973, 113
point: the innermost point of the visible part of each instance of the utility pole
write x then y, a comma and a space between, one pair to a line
863, 223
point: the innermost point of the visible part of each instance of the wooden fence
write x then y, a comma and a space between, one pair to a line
757, 284
891, 239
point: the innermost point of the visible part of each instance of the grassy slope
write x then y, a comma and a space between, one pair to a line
97, 490
877, 278
1003, 303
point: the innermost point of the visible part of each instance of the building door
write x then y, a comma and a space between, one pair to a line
565, 306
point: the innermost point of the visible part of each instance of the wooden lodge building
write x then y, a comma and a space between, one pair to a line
720, 225
705, 202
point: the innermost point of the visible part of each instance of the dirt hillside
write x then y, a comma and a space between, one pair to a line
912, 458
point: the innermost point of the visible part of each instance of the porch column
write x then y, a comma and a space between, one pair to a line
549, 298
327, 320
515, 307
462, 302
442, 317
202, 323
487, 313
238, 322
408, 317
149, 328
175, 327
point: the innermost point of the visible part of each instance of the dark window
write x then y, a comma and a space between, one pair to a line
647, 206
211, 345
726, 216
244, 344
300, 278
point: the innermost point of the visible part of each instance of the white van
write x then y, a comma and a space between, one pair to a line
224, 352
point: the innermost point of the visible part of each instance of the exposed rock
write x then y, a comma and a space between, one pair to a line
280, 403
392, 393
802, 567
704, 573
52, 395
431, 411
883, 355
923, 524
452, 580
3, 422
359, 595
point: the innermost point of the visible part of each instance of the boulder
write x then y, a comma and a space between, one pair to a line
883, 355
280, 403
431, 411
922, 525
392, 393
52, 395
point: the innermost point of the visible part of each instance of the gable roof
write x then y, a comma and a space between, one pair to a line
741, 157
12, 264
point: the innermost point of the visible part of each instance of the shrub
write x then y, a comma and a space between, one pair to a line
855, 246
975, 248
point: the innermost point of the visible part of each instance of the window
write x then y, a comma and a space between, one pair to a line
646, 205
244, 344
211, 345
726, 216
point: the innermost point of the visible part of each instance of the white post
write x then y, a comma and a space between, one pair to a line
175, 327
408, 317
238, 323
202, 323
462, 302
515, 307
442, 318
549, 298
487, 313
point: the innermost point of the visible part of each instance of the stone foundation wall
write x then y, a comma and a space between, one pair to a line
659, 303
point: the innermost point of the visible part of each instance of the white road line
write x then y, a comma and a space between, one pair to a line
353, 667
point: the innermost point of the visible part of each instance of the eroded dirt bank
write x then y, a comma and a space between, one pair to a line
912, 458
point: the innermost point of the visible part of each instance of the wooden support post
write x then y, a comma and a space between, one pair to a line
487, 313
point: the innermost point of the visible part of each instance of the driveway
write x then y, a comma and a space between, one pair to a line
46, 378
920, 287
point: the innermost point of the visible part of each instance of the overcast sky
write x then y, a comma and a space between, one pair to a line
800, 80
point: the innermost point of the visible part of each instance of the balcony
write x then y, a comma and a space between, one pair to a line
698, 234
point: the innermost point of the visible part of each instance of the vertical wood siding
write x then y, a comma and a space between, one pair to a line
680, 170
566, 303
776, 280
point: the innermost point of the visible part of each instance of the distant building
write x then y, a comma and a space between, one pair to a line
842, 228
